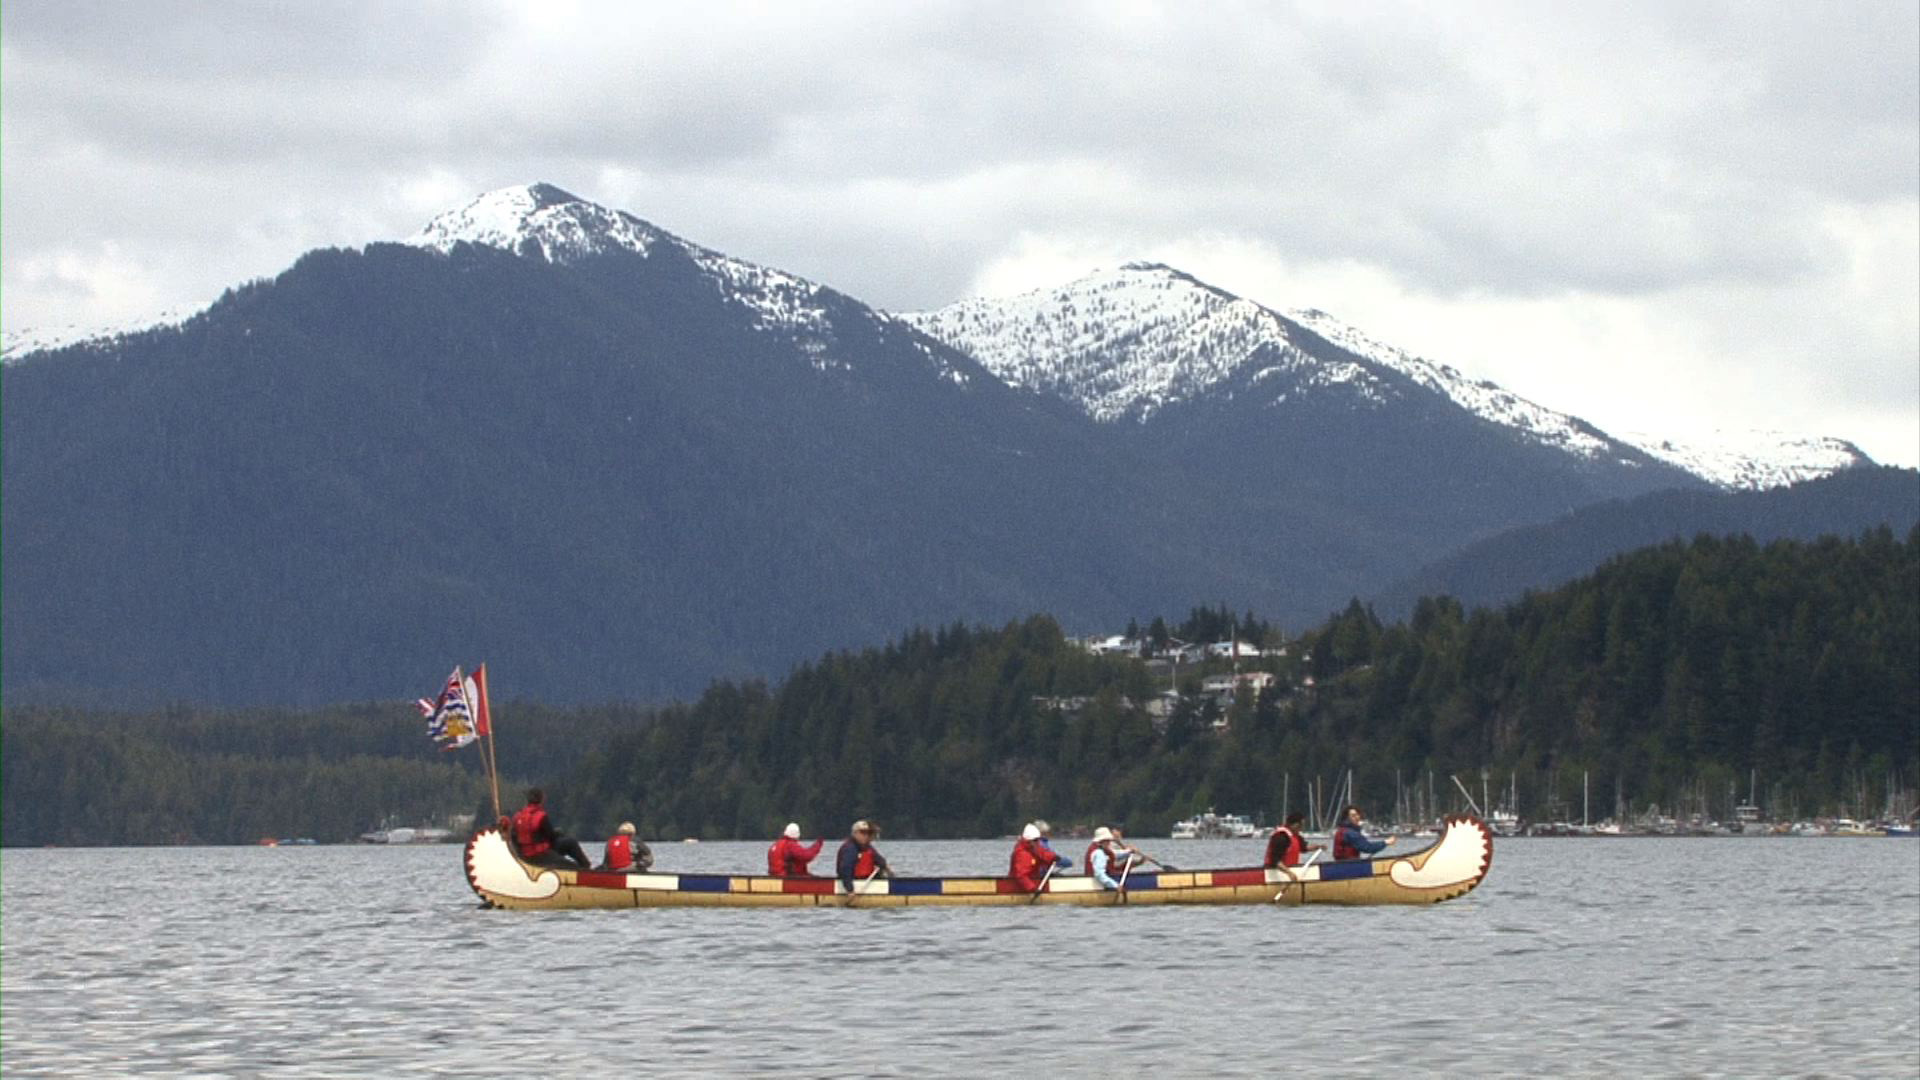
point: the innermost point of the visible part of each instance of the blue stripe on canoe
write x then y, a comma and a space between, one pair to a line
704, 883
1342, 871
914, 886
1142, 881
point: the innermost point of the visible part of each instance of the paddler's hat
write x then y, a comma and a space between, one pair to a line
1031, 832
1102, 835
865, 826
626, 828
792, 831
1045, 829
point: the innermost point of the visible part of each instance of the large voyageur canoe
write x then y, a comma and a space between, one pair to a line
1451, 866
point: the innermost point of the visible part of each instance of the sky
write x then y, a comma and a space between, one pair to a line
1661, 217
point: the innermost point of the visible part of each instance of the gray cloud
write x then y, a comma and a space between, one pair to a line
1466, 151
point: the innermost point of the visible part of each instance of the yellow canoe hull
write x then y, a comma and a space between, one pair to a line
1452, 866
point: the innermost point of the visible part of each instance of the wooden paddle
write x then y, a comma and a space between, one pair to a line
862, 887
1124, 871
1295, 875
1164, 866
1051, 867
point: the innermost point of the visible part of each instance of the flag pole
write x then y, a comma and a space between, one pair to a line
489, 756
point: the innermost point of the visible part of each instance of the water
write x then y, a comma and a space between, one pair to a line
1649, 957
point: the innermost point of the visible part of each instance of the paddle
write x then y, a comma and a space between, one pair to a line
1164, 866
1051, 867
1124, 871
862, 887
1295, 875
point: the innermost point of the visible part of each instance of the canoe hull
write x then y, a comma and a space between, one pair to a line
1451, 867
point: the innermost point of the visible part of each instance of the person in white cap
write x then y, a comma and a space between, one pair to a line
1029, 867
788, 857
625, 852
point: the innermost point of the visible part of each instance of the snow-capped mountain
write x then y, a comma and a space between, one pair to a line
1754, 460
1124, 344
542, 221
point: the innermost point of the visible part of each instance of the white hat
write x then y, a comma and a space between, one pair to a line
792, 831
626, 828
1031, 832
1102, 834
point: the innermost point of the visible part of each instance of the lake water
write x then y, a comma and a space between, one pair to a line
1740, 957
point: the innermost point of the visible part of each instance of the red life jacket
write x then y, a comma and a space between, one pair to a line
526, 830
619, 852
863, 866
1283, 848
1343, 843
1088, 862
777, 858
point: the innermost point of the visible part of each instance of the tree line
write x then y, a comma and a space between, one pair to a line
1675, 673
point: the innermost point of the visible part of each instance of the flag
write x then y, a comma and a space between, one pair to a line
482, 715
449, 719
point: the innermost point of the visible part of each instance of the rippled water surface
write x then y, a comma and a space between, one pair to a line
1634, 957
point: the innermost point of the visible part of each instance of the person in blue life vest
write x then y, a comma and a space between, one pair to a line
1350, 842
857, 860
1045, 842
626, 853
534, 836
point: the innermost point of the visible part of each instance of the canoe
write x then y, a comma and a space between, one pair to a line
1451, 866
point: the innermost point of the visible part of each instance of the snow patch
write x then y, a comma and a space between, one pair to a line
1753, 460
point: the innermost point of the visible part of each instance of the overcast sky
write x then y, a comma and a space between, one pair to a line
1671, 217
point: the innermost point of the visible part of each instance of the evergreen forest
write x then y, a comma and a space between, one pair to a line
1682, 676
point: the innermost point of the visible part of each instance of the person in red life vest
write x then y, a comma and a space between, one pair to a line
1031, 857
788, 857
1046, 841
625, 853
1109, 856
1288, 843
1349, 842
857, 860
534, 835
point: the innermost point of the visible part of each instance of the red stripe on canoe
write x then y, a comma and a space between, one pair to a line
598, 880
820, 886
1239, 877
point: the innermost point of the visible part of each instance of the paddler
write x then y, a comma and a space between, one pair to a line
534, 835
857, 860
1106, 862
1031, 858
626, 852
788, 857
1350, 842
1288, 843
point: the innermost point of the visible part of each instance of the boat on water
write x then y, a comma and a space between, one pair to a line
1451, 867
1212, 826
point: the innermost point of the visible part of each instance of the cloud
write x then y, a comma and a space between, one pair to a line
1616, 181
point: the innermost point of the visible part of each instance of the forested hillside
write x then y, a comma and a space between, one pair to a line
1666, 676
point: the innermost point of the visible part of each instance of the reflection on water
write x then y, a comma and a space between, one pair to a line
1736, 956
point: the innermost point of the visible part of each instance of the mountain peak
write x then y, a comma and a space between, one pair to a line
538, 220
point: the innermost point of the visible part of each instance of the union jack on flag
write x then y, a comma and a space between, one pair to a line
450, 718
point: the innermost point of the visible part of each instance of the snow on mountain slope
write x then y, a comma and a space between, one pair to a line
15, 344
542, 221
1477, 396
1125, 343
1754, 460
1122, 344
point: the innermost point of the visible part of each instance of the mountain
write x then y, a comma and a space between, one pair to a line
617, 464
1131, 343
1498, 570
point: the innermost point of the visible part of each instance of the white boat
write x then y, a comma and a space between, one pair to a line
1212, 826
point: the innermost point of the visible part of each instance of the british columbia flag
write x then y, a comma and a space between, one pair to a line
450, 717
